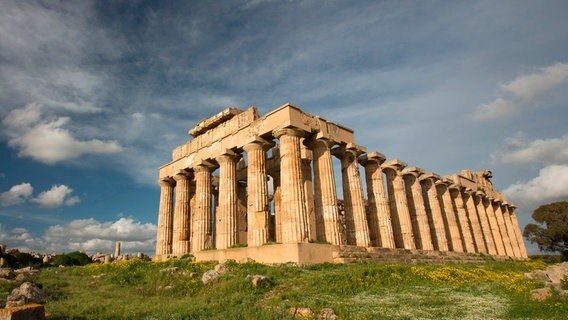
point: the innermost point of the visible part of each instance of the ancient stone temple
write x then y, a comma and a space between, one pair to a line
266, 188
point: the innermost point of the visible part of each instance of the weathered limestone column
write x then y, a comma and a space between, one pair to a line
257, 201
522, 247
439, 239
308, 189
277, 207
379, 217
355, 216
294, 223
450, 221
202, 215
402, 225
488, 203
165, 217
484, 221
325, 194
226, 233
418, 215
181, 230
474, 220
496, 203
463, 221
510, 230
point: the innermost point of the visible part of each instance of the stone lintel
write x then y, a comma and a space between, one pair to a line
372, 156
429, 175
214, 121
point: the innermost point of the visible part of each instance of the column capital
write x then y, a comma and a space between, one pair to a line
166, 182
257, 143
181, 175
203, 165
226, 155
429, 176
372, 156
394, 164
444, 181
414, 171
311, 142
290, 131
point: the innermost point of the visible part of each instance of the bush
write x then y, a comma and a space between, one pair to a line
75, 258
16, 260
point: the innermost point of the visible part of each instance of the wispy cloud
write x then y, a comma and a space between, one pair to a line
17, 194
522, 91
518, 150
550, 184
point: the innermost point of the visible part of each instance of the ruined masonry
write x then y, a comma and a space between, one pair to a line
264, 188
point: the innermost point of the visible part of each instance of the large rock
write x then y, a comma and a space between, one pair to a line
27, 293
257, 280
221, 268
541, 294
27, 312
209, 276
327, 314
7, 273
557, 272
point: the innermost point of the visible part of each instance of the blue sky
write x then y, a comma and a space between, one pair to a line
95, 95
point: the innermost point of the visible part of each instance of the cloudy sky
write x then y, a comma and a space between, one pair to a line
94, 95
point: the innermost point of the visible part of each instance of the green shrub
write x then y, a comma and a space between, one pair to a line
75, 258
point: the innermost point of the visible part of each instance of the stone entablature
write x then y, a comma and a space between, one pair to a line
215, 195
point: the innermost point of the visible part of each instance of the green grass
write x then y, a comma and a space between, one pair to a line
137, 290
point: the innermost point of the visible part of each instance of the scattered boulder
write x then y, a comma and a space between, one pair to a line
46, 260
301, 312
27, 293
541, 294
257, 280
557, 272
221, 268
209, 276
7, 273
27, 312
327, 314
171, 270
540, 275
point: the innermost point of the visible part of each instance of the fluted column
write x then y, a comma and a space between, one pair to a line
439, 238
165, 217
450, 220
474, 220
226, 233
417, 207
488, 203
202, 215
355, 216
510, 230
308, 183
522, 247
257, 189
294, 218
503, 228
379, 217
277, 207
181, 228
485, 224
325, 194
462, 216
402, 225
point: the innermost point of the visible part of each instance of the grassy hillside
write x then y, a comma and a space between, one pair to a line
138, 290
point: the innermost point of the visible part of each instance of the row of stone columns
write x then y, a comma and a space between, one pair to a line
417, 210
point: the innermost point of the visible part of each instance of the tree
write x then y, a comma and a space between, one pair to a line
551, 231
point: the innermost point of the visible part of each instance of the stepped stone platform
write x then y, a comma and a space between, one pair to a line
312, 253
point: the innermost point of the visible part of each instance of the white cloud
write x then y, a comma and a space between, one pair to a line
48, 141
522, 91
551, 183
87, 235
16, 195
519, 150
57, 196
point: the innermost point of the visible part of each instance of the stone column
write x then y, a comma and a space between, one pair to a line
488, 203
510, 230
401, 223
484, 221
463, 221
181, 230
308, 189
325, 194
417, 207
474, 220
202, 215
293, 210
439, 239
355, 216
257, 201
277, 207
379, 216
502, 227
226, 233
450, 220
165, 217
522, 247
